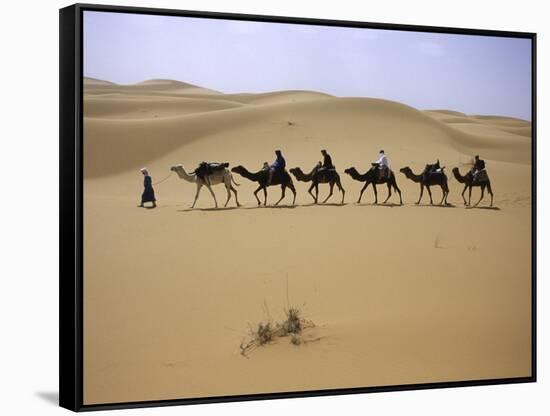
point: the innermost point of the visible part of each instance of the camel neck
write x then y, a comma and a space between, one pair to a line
186, 176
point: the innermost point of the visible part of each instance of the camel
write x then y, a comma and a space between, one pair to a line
262, 177
222, 176
372, 176
327, 176
427, 181
468, 181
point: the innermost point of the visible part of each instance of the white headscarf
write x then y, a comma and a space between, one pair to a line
144, 171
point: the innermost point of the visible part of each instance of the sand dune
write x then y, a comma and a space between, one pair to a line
95, 86
121, 129
400, 294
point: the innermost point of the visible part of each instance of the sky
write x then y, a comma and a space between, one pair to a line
471, 74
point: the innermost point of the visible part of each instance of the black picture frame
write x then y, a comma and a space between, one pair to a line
71, 204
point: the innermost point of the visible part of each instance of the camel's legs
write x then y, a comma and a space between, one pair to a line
421, 193
236, 197
256, 194
375, 193
293, 189
228, 189
443, 195
481, 197
283, 191
389, 194
311, 193
339, 184
199, 187
399, 192
463, 191
362, 190
213, 194
317, 192
490, 191
331, 187
430, 193
265, 196
469, 195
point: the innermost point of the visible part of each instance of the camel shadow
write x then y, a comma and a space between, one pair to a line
328, 204
435, 206
387, 205
208, 209
272, 207
487, 208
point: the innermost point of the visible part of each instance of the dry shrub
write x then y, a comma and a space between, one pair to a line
264, 333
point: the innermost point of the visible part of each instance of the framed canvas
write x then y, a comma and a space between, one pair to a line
256, 207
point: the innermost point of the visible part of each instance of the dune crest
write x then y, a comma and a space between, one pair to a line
157, 117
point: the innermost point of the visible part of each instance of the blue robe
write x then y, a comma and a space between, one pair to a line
148, 194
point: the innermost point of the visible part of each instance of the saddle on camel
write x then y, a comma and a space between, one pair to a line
433, 169
478, 171
206, 169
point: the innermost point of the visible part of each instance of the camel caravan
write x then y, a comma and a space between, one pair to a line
208, 174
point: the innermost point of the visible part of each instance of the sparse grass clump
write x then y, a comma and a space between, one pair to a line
295, 340
265, 333
293, 322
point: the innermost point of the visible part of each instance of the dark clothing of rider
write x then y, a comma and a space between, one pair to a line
327, 161
479, 165
280, 163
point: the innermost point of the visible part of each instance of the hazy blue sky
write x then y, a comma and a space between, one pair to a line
472, 74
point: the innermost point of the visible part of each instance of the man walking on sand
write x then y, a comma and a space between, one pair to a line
148, 194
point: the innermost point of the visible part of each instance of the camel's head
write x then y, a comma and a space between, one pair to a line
455, 170
176, 167
350, 171
238, 169
298, 173
406, 170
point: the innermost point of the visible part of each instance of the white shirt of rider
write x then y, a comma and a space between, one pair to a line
383, 160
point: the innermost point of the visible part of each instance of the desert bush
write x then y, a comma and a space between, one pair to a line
264, 333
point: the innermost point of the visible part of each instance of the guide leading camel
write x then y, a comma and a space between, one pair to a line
148, 194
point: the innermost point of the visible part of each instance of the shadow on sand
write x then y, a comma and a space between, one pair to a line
435, 206
487, 208
328, 204
272, 207
387, 205
208, 209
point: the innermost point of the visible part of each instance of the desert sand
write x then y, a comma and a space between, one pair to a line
399, 294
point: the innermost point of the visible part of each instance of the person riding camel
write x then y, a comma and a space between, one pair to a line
383, 165
278, 165
327, 162
479, 166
